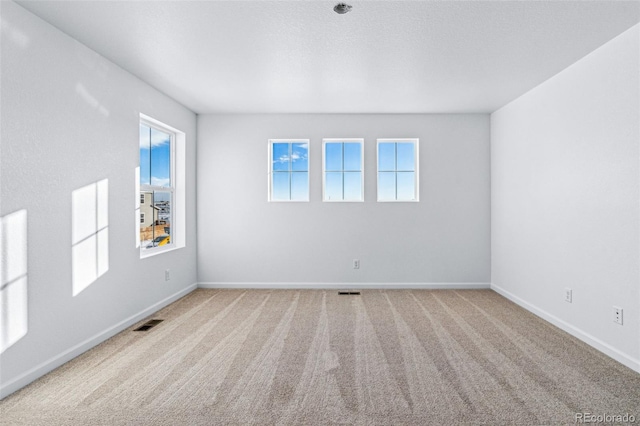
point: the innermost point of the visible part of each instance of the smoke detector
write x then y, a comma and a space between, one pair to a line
342, 8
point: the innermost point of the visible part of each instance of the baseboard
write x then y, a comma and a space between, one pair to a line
598, 344
340, 286
56, 361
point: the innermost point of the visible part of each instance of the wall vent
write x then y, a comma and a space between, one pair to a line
355, 293
148, 325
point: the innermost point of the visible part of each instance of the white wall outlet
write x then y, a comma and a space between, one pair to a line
356, 263
167, 275
568, 295
617, 315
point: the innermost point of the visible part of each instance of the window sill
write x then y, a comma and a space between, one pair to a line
155, 252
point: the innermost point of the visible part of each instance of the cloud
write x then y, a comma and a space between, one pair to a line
296, 155
160, 181
158, 138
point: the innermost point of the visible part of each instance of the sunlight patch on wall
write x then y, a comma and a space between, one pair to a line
91, 100
13, 288
89, 234
14, 34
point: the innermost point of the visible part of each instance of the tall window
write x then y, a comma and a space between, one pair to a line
342, 169
157, 186
398, 170
288, 170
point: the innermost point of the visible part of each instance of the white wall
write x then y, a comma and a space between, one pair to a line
69, 119
565, 193
245, 240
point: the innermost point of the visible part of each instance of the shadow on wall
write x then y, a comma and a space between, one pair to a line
89, 234
13, 269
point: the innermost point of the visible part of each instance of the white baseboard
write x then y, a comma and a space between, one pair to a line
340, 286
598, 344
56, 361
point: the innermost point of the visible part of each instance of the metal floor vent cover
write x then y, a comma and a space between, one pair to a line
355, 293
148, 325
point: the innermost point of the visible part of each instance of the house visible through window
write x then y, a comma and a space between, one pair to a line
342, 170
398, 170
157, 186
288, 170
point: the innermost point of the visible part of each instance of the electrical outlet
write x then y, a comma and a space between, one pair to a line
568, 295
617, 315
167, 276
356, 263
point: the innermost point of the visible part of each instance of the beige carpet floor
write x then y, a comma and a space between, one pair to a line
313, 357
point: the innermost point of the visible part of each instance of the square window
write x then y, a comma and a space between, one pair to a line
398, 170
288, 170
343, 170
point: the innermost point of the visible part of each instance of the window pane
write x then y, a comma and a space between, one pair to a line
386, 186
333, 156
162, 210
280, 158
146, 219
145, 155
406, 156
155, 219
333, 186
160, 158
352, 186
406, 186
300, 157
280, 186
386, 156
353, 157
300, 186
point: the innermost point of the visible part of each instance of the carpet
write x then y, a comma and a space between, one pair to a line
313, 357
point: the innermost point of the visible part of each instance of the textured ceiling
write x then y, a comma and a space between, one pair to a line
301, 57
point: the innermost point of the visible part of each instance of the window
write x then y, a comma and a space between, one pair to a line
157, 186
289, 170
398, 170
342, 169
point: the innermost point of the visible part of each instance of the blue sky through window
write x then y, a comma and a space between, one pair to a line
155, 157
343, 171
290, 171
397, 171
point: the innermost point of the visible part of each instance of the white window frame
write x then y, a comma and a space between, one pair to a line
141, 198
270, 170
155, 124
325, 141
416, 142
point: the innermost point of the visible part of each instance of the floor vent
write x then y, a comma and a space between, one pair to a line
355, 293
149, 324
